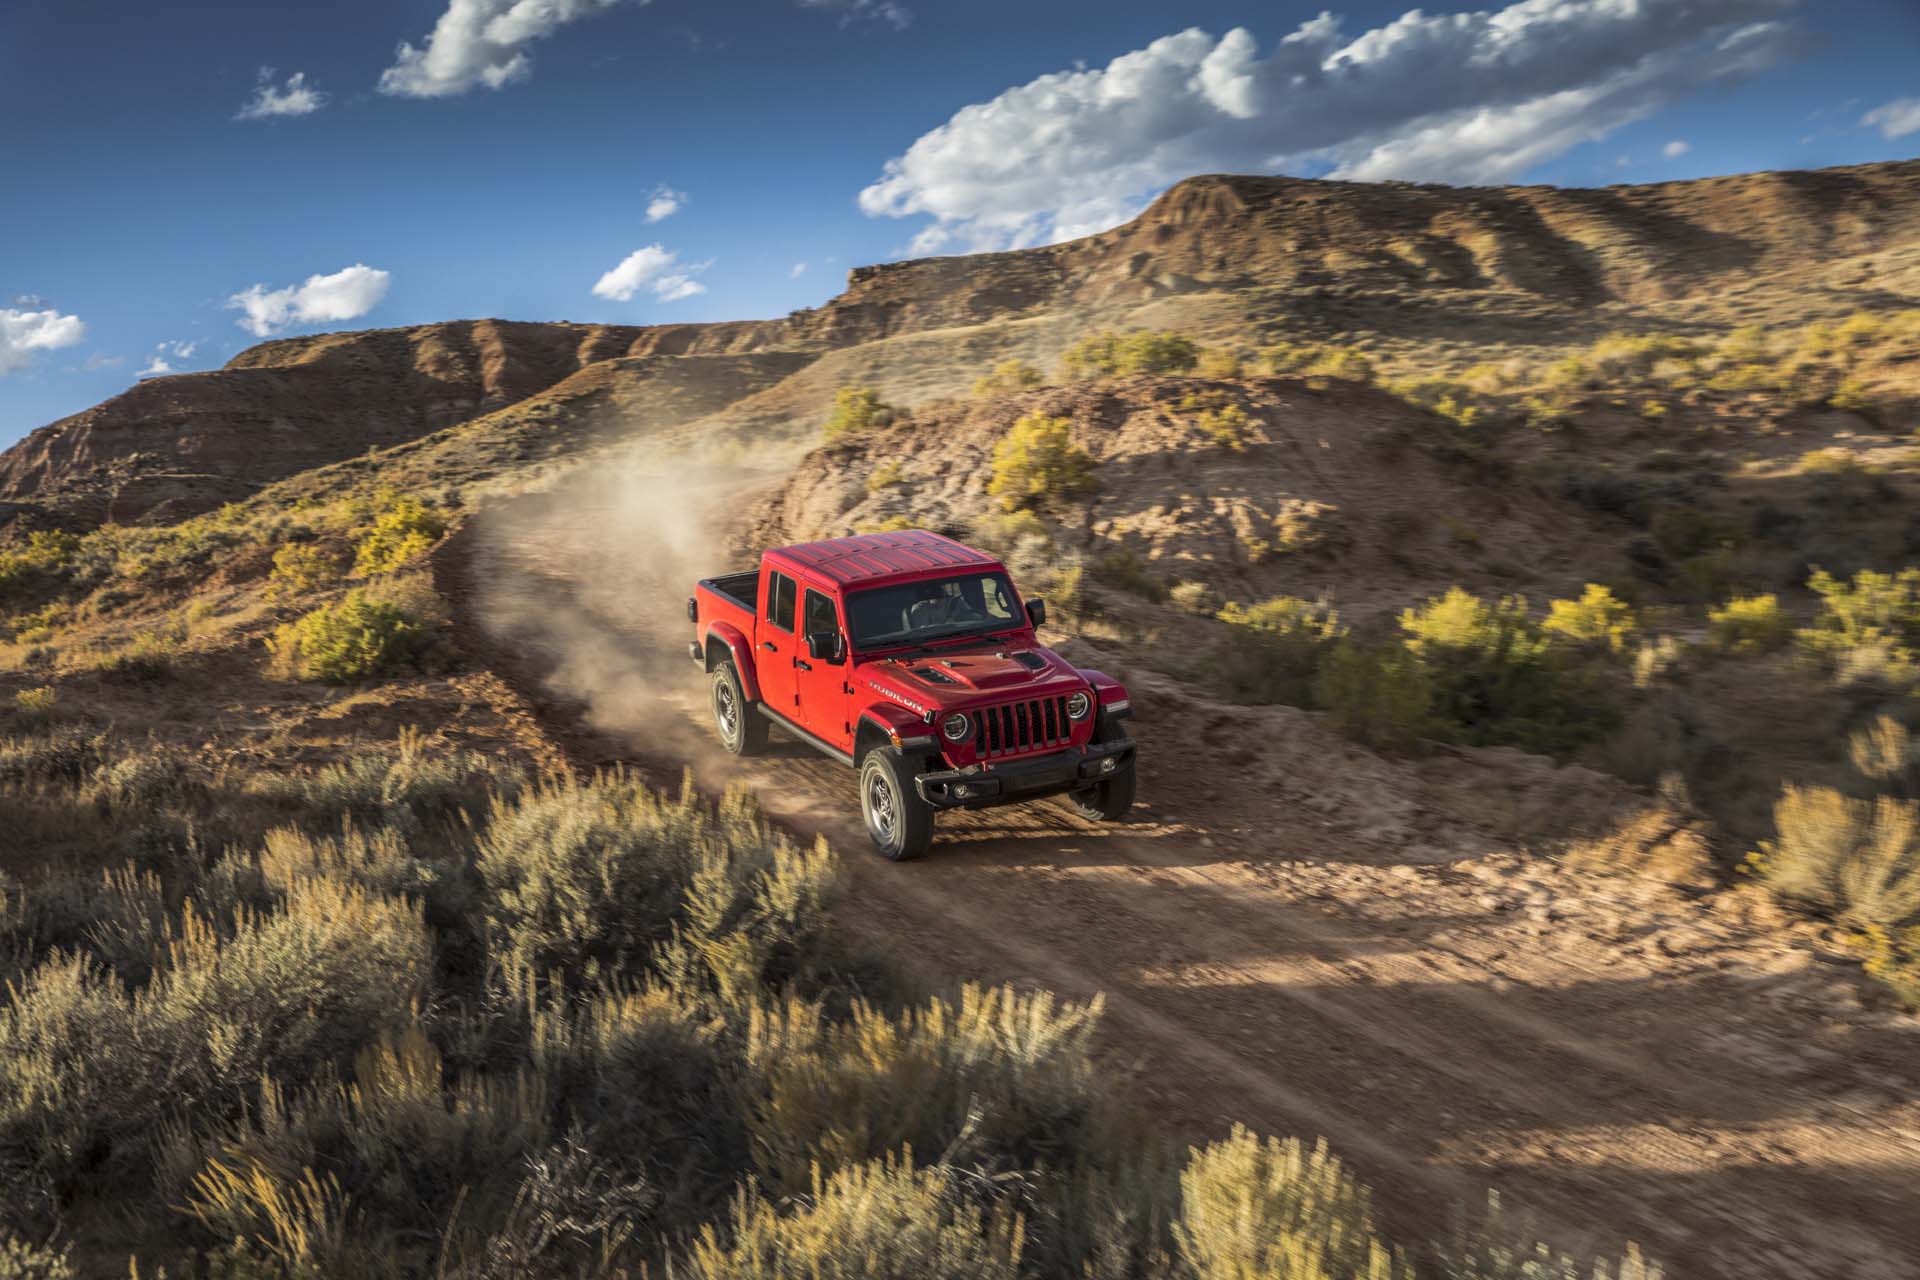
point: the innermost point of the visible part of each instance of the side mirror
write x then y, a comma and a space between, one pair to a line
826, 646
1037, 612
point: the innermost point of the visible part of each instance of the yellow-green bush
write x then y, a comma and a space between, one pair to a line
1109, 354
1496, 678
303, 567
43, 554
1273, 649
1037, 460
1381, 695
357, 638
1749, 625
1216, 363
1225, 426
882, 1220
1598, 618
1006, 378
1856, 858
399, 535
1278, 1210
1498, 1245
857, 410
883, 476
1872, 612
37, 703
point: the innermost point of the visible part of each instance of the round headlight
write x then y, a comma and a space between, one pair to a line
956, 727
1079, 704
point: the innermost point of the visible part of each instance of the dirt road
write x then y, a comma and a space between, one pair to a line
1309, 939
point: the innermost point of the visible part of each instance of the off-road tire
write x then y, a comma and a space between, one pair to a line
899, 822
739, 724
1107, 800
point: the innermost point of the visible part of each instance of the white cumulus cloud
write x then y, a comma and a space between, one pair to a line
1461, 97
665, 203
799, 269
896, 15
294, 97
163, 356
24, 334
1677, 148
1896, 119
482, 42
656, 269
347, 294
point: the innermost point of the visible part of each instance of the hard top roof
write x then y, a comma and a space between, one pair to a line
873, 556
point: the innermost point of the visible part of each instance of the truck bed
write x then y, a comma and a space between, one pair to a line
742, 589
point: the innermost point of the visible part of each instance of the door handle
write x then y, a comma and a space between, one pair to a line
803, 664
770, 646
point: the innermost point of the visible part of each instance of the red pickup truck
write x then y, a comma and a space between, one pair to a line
911, 658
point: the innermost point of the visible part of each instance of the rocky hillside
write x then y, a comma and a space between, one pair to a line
1255, 256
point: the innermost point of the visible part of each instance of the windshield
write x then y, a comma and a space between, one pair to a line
917, 611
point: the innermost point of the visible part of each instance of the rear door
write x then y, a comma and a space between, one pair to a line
822, 682
779, 645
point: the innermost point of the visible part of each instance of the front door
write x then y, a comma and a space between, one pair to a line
822, 682
779, 645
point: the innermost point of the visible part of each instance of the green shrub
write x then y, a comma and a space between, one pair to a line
357, 638
303, 567
1006, 378
857, 410
1875, 611
1496, 680
1274, 649
408, 787
1892, 957
44, 554
401, 534
1109, 354
1274, 1210
592, 880
882, 1220
1226, 426
1342, 362
883, 476
1379, 695
37, 703
1598, 618
998, 1082
1215, 363
1748, 625
1126, 570
1037, 460
1858, 859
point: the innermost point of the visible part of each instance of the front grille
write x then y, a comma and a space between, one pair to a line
1014, 727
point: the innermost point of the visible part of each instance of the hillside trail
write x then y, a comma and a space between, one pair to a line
1286, 937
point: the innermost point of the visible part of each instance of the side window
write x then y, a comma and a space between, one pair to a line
819, 614
780, 602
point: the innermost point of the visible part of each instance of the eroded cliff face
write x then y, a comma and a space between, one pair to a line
1428, 255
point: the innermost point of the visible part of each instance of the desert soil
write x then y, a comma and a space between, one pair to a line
1296, 934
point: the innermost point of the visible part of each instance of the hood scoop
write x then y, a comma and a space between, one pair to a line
983, 670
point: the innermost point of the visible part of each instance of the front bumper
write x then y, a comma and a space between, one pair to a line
1011, 781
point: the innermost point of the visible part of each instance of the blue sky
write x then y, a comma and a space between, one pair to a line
507, 166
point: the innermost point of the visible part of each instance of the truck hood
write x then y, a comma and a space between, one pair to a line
969, 671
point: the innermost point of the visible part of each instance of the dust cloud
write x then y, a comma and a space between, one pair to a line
586, 583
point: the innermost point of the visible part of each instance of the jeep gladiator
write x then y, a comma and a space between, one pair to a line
911, 658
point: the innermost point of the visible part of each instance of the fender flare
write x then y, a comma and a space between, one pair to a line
1109, 694
742, 653
895, 725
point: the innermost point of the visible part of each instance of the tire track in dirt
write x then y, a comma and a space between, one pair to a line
1231, 1000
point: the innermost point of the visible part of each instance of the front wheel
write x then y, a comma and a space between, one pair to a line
898, 820
742, 730
1107, 800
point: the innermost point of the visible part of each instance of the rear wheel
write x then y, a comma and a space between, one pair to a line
742, 730
898, 820
1107, 800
